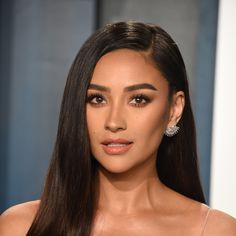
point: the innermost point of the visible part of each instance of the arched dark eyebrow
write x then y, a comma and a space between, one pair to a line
99, 87
139, 86
126, 89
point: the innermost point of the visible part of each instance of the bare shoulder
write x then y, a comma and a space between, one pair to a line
220, 223
17, 219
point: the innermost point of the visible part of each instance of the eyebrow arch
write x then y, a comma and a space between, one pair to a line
140, 86
99, 87
126, 89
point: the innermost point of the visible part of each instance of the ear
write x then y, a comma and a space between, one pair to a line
176, 108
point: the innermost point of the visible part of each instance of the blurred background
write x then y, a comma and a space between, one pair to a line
38, 42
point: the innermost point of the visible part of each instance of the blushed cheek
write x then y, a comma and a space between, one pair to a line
91, 128
156, 126
92, 134
92, 139
94, 131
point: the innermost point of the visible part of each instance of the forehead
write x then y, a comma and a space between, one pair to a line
126, 67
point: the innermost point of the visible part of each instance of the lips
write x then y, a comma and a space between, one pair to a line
116, 146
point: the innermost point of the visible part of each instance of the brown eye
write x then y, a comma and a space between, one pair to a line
139, 100
96, 99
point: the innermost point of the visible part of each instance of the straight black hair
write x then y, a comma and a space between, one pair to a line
69, 201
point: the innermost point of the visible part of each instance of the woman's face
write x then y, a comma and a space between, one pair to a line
127, 110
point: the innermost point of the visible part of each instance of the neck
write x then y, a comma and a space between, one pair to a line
128, 192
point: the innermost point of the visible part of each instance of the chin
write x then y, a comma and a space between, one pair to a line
115, 168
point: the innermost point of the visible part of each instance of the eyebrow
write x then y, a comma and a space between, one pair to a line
99, 87
140, 86
126, 89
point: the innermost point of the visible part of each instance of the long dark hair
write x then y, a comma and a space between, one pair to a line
69, 201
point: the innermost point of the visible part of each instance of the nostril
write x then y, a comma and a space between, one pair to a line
115, 125
114, 128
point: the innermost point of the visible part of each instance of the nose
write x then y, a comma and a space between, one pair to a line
115, 120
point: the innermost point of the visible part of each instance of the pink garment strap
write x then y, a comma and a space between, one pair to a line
205, 221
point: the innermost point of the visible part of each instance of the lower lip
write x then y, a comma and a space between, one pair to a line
116, 150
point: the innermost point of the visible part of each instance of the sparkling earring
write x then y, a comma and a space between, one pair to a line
171, 131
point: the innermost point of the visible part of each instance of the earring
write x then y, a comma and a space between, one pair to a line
171, 131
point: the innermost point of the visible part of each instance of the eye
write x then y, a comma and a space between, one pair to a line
139, 100
96, 99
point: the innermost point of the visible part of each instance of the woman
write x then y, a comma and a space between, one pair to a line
125, 160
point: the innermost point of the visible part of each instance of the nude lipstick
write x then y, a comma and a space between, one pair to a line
116, 146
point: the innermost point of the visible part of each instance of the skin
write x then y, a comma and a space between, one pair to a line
132, 199
117, 113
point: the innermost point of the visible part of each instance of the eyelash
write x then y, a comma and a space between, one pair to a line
144, 100
93, 96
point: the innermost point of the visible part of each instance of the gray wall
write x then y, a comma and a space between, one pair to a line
5, 36
39, 40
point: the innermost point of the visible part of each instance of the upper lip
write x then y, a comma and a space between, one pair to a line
122, 141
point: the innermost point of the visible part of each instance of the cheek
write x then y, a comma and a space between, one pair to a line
95, 124
92, 124
151, 125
